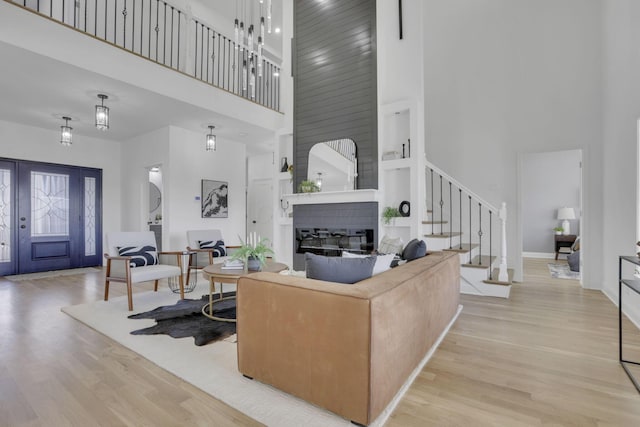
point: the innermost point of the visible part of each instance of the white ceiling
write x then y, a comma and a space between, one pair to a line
38, 91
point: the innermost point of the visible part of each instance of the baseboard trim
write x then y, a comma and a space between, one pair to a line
541, 255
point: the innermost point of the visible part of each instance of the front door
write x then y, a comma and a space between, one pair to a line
50, 216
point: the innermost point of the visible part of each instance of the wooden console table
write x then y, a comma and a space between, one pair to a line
564, 241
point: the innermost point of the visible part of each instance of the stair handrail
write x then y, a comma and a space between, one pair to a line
457, 183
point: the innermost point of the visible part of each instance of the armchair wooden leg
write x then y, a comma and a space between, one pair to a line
129, 295
181, 286
155, 286
106, 289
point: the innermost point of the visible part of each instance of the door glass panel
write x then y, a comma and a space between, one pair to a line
89, 216
49, 204
5, 215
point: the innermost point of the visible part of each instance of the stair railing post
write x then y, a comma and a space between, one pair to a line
480, 233
470, 231
441, 203
503, 274
450, 218
490, 246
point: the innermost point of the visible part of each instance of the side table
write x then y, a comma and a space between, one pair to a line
634, 285
564, 241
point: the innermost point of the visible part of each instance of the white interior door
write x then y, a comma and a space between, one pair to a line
260, 209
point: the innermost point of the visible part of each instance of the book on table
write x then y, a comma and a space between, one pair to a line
232, 264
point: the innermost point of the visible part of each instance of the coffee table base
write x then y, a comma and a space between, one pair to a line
209, 306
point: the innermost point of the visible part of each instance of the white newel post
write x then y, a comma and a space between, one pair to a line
503, 274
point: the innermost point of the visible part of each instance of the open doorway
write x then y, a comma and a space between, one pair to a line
551, 206
155, 203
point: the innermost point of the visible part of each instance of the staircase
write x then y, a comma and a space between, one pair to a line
459, 221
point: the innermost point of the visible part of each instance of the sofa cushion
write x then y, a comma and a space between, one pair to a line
414, 249
390, 245
218, 247
142, 255
574, 261
383, 262
337, 269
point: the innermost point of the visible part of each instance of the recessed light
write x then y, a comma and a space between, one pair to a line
277, 30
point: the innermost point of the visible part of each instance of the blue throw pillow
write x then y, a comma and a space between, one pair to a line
414, 249
142, 255
218, 247
337, 269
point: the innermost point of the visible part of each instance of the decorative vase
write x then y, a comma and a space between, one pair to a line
254, 264
285, 165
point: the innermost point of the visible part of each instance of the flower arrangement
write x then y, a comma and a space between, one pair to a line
389, 213
307, 186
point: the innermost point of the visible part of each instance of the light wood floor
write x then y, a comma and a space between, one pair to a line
546, 356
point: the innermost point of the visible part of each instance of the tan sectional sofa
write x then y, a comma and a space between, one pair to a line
346, 348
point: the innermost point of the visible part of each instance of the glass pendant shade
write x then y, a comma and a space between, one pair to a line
241, 36
250, 40
102, 114
244, 75
66, 136
210, 144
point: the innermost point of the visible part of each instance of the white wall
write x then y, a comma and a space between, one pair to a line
184, 163
621, 113
550, 180
189, 163
43, 145
504, 77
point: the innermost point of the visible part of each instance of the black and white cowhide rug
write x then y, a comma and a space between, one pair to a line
185, 319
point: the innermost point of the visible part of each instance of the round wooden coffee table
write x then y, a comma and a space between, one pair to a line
215, 273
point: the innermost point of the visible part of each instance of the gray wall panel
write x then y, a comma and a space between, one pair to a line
335, 81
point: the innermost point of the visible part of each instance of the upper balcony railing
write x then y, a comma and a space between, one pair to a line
160, 32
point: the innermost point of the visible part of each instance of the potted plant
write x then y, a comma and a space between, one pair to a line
253, 253
558, 230
389, 213
307, 186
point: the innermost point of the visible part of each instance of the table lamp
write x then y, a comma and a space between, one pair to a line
564, 215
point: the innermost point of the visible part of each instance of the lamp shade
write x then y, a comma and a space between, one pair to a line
566, 213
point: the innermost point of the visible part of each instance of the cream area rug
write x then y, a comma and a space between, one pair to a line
213, 367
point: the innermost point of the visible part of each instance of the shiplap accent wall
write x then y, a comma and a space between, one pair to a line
334, 70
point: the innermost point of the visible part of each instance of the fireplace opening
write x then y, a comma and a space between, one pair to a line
333, 241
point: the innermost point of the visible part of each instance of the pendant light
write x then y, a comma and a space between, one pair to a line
102, 114
210, 144
65, 132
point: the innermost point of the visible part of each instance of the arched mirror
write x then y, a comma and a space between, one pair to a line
155, 197
333, 165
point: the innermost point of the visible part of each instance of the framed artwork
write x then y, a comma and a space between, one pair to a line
214, 199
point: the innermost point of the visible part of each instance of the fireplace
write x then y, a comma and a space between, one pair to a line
331, 228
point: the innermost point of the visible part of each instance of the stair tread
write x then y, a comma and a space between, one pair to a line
495, 281
466, 248
435, 222
444, 235
475, 262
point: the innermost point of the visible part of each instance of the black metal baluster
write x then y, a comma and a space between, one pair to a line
124, 25
95, 20
150, 8
470, 232
450, 218
195, 65
441, 203
85, 15
179, 19
74, 14
432, 206
157, 29
480, 232
164, 36
460, 220
115, 21
133, 28
218, 76
207, 79
201, 51
171, 55
62, 11
213, 54
50, 8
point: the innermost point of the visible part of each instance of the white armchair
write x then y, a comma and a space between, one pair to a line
136, 263
209, 255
